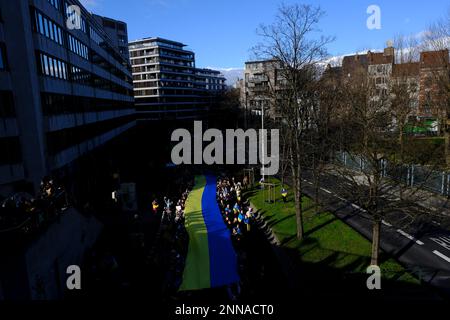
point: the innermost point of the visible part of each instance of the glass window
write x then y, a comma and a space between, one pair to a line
55, 67
55, 29
2, 56
51, 67
46, 66
47, 34
64, 71
41, 24
60, 36
60, 70
55, 63
50, 30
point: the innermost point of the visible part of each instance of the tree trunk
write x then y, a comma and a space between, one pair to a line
298, 209
316, 188
296, 175
447, 146
375, 242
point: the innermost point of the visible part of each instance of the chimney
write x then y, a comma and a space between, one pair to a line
389, 50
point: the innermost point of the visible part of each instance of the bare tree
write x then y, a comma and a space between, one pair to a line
437, 39
372, 122
297, 46
404, 92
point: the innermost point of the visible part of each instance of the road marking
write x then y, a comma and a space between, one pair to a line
441, 255
386, 223
327, 191
358, 207
442, 241
410, 237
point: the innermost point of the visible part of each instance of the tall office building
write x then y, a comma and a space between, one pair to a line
117, 32
167, 85
65, 88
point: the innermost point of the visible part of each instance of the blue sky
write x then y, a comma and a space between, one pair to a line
221, 32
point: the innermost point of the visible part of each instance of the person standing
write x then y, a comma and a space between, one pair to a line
284, 195
155, 206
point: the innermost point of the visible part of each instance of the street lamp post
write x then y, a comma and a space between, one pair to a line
262, 141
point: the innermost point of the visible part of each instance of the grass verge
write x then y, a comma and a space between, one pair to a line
328, 241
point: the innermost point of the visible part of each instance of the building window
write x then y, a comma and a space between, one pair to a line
77, 47
52, 67
3, 64
95, 36
48, 28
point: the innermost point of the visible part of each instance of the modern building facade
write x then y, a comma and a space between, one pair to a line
167, 84
65, 88
117, 32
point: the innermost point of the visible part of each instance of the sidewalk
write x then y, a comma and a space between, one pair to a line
437, 203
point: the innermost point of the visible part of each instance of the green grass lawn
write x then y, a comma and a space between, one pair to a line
328, 241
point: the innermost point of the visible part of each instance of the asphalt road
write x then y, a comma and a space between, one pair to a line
423, 247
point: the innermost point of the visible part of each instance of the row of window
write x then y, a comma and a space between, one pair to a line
56, 104
53, 67
56, 68
51, 30
95, 36
48, 28
77, 47
58, 141
173, 99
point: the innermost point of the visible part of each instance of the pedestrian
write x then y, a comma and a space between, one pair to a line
284, 195
155, 206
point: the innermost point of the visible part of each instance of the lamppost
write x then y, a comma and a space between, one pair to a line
262, 142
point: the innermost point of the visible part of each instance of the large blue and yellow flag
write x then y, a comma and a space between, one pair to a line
211, 260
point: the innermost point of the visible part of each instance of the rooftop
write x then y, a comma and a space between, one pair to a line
157, 39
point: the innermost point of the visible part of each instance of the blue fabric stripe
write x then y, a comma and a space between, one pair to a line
222, 257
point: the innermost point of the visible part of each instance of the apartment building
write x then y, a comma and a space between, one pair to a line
434, 80
167, 84
426, 79
379, 70
259, 77
65, 89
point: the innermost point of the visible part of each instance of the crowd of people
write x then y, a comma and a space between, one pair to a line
173, 239
25, 213
237, 214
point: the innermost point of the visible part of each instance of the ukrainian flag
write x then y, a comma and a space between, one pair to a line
211, 260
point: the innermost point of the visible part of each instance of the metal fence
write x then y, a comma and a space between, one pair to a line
411, 175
